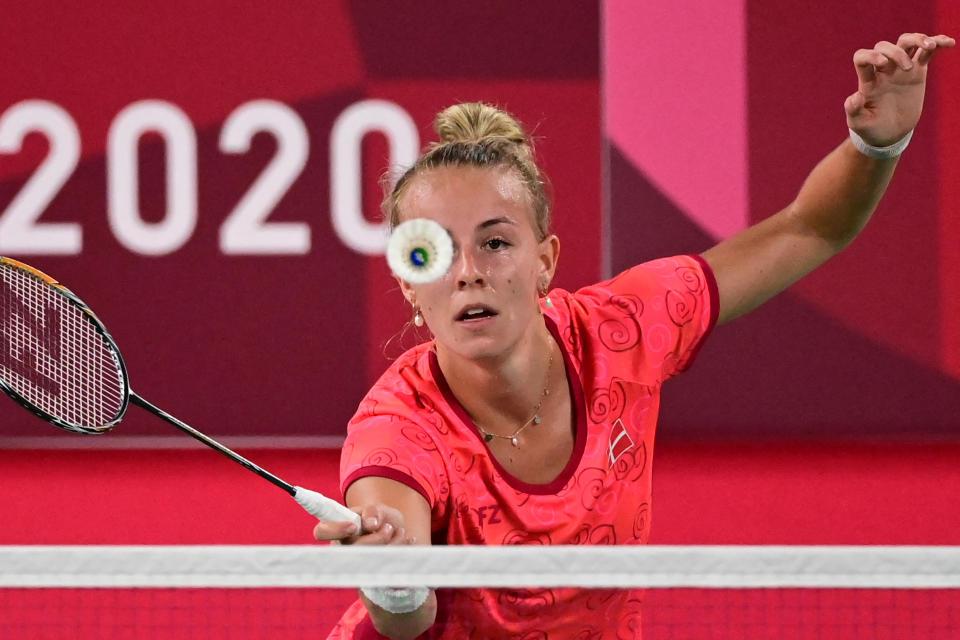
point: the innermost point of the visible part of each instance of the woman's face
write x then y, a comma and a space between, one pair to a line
487, 302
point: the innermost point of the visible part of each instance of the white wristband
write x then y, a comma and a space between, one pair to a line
881, 153
397, 599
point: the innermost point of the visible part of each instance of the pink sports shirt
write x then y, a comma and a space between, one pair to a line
621, 339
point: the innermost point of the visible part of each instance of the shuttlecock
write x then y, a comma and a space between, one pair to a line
419, 251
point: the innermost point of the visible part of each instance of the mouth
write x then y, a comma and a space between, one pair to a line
475, 313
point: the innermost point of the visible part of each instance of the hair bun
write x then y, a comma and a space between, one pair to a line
474, 134
474, 122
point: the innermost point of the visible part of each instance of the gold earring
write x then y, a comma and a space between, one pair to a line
417, 317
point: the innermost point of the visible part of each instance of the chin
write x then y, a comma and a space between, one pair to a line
481, 348
478, 352
492, 344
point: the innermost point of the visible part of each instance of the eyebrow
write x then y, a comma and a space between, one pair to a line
495, 221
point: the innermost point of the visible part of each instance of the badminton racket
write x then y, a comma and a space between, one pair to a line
58, 360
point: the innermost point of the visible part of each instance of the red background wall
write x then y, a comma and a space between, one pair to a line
772, 437
279, 344
827, 417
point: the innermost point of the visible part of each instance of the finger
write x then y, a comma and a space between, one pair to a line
931, 45
897, 55
866, 62
399, 537
911, 42
395, 534
915, 40
382, 535
334, 530
371, 518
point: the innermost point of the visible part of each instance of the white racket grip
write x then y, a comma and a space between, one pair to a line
323, 508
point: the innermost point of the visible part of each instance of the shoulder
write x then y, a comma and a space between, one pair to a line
405, 389
670, 286
398, 432
650, 317
684, 273
406, 409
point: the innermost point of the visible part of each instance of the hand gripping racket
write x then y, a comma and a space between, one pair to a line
58, 360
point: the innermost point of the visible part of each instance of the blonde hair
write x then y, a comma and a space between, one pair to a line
478, 135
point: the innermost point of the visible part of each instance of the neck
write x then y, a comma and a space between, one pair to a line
511, 383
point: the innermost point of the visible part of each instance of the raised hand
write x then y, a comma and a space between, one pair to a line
892, 81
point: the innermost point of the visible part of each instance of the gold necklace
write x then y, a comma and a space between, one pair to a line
534, 419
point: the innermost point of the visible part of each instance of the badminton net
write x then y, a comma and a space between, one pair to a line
279, 592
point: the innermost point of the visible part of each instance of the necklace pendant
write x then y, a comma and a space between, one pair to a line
537, 419
487, 437
514, 441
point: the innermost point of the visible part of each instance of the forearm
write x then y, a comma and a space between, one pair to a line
403, 626
841, 193
833, 205
409, 516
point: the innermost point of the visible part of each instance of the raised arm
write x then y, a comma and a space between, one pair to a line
841, 193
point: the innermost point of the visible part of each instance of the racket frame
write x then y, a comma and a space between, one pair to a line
100, 329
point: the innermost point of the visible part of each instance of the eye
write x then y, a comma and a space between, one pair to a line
496, 244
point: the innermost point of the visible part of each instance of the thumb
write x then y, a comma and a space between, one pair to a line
854, 104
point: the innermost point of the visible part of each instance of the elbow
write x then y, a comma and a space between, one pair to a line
834, 232
840, 241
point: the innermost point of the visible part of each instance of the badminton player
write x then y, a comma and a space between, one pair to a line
529, 418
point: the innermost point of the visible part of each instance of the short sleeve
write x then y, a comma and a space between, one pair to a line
650, 320
391, 446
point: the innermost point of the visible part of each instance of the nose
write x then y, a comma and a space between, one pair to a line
465, 269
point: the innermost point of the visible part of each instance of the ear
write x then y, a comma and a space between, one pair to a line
407, 289
549, 255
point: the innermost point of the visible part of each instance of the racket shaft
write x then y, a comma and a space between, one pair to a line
213, 444
314, 503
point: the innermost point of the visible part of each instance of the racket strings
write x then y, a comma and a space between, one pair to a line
52, 355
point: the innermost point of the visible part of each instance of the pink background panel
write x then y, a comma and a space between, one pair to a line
675, 97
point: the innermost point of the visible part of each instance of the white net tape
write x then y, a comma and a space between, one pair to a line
900, 567
53, 356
